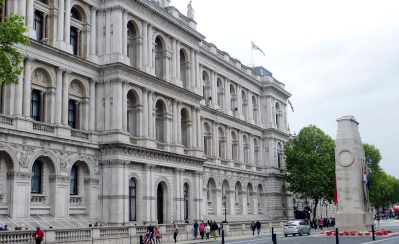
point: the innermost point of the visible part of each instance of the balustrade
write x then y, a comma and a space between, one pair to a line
17, 237
38, 199
43, 127
6, 120
77, 200
114, 232
76, 235
79, 134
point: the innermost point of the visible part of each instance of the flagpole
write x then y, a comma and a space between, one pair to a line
251, 54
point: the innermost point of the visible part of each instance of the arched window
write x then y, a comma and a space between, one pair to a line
185, 128
132, 199
35, 105
36, 180
75, 14
184, 68
207, 140
38, 25
220, 93
159, 72
74, 40
72, 114
74, 181
160, 122
185, 192
131, 44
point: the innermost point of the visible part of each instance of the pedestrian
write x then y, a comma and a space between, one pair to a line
195, 229
258, 226
38, 235
175, 232
215, 230
207, 231
157, 235
253, 227
321, 224
202, 230
6, 227
150, 229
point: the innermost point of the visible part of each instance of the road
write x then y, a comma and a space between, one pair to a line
315, 238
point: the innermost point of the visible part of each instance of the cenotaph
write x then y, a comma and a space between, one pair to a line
354, 213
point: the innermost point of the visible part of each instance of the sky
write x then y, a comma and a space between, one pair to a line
336, 58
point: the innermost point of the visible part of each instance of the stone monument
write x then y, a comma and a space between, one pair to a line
354, 213
190, 11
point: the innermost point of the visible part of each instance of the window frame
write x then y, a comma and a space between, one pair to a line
132, 198
34, 103
74, 178
35, 177
39, 33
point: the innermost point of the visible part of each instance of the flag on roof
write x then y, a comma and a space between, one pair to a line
291, 105
254, 47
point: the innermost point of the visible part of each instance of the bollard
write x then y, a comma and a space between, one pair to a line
336, 236
141, 239
222, 236
372, 230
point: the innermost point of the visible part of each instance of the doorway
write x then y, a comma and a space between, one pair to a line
160, 204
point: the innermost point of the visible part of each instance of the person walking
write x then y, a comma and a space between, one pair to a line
150, 229
195, 229
258, 226
215, 228
175, 232
207, 231
39, 234
157, 235
202, 230
253, 227
321, 224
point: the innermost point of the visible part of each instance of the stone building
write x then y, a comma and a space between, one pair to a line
125, 113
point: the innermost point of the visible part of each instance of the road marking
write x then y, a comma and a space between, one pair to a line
387, 239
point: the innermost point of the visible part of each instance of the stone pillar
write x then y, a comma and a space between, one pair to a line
178, 124
145, 113
215, 137
30, 14
92, 112
139, 53
58, 96
240, 147
60, 15
166, 65
124, 107
77, 113
197, 73
59, 190
194, 127
239, 100
218, 201
116, 104
146, 194
199, 129
174, 61
175, 124
93, 29
228, 143
27, 87
149, 45
178, 213
91, 196
108, 31
192, 78
18, 94
200, 81
44, 25
153, 195
244, 208
124, 32
65, 97
178, 60
41, 107
232, 205
21, 8
20, 194
117, 35
67, 27
214, 89
145, 44
150, 116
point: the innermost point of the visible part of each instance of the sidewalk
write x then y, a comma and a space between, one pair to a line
219, 238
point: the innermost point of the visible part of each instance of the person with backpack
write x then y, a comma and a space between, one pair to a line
253, 227
258, 226
214, 230
195, 229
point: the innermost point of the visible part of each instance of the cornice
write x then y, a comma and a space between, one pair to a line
274, 88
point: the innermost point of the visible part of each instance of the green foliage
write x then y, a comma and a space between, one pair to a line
310, 162
373, 158
12, 31
387, 191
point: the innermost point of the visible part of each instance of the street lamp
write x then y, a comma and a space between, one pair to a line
225, 209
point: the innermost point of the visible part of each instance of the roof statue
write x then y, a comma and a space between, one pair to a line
190, 11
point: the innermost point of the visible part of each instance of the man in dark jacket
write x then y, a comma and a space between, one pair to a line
195, 229
258, 225
150, 229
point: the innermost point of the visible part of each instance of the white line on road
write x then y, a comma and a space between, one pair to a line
388, 239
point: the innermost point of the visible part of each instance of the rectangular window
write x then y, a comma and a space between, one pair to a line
35, 105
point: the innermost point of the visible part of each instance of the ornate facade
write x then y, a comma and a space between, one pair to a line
126, 114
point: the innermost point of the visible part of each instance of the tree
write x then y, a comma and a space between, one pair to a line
12, 31
373, 158
310, 162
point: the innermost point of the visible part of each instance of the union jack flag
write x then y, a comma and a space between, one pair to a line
254, 47
291, 105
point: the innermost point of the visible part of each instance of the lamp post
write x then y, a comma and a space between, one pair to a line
225, 209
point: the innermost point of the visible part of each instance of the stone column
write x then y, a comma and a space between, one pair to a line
18, 93
214, 88
200, 81
177, 195
77, 119
30, 12
240, 147
21, 8
149, 45
197, 72
27, 87
178, 124
108, 12
93, 28
228, 143
58, 96
150, 116
215, 138
41, 107
239, 100
20, 194
145, 113
124, 107
44, 25
178, 60
60, 15
199, 129
166, 64
174, 63
91, 196
116, 104
65, 97
194, 127
117, 35
67, 27
192, 78
175, 124
92, 112
139, 53
145, 43
227, 95
124, 32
